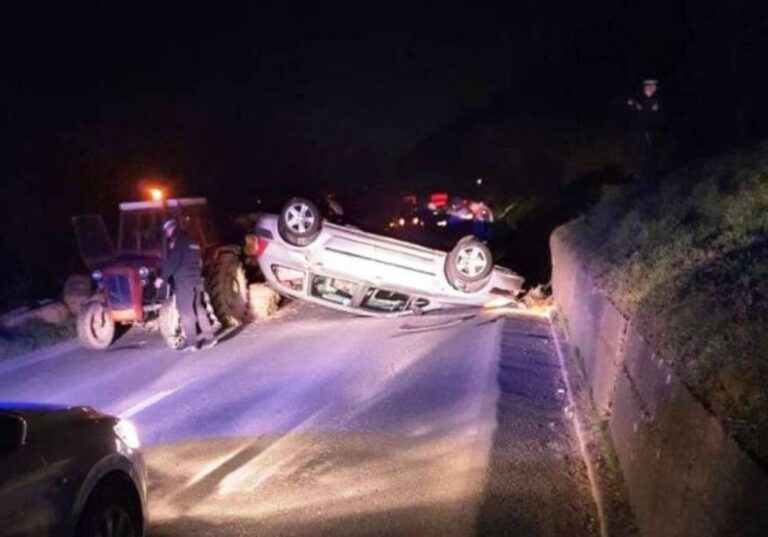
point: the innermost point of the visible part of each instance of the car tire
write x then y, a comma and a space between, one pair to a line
469, 265
227, 289
95, 327
112, 510
170, 324
300, 222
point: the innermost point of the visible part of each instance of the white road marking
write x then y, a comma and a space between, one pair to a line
148, 402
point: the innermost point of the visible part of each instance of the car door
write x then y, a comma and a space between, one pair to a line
25, 505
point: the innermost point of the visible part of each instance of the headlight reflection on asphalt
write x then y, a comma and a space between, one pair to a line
498, 302
126, 431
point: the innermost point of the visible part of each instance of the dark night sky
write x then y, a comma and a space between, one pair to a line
381, 77
226, 101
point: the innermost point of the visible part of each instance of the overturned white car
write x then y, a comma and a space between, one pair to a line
342, 267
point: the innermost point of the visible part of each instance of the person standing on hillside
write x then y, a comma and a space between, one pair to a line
646, 120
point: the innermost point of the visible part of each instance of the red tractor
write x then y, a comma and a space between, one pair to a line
124, 275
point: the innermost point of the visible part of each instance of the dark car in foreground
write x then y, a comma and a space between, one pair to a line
69, 471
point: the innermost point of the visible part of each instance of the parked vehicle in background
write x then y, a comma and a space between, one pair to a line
69, 471
345, 268
438, 220
123, 276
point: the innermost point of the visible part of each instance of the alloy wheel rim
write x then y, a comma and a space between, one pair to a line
471, 261
299, 218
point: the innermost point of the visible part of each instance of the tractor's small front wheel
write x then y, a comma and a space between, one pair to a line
95, 327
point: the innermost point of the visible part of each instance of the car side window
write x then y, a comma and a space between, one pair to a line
384, 301
334, 290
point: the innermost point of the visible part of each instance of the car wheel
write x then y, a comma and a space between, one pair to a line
468, 265
112, 511
170, 324
95, 327
300, 222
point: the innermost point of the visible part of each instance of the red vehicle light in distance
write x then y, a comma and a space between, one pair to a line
439, 199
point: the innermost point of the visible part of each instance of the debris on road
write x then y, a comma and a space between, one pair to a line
263, 301
539, 296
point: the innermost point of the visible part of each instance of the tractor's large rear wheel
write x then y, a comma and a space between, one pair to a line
95, 327
228, 289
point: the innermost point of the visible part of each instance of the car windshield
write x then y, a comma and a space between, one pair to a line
334, 289
384, 301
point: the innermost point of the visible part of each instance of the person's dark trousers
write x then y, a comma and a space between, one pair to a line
646, 158
185, 303
206, 328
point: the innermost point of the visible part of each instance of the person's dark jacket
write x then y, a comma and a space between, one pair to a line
183, 261
647, 114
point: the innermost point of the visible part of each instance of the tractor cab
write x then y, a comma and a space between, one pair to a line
141, 223
140, 235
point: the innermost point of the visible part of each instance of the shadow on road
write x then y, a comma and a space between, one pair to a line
536, 482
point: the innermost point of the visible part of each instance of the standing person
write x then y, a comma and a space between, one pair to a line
647, 116
182, 265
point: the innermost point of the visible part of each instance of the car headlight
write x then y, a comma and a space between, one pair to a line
96, 275
143, 273
126, 431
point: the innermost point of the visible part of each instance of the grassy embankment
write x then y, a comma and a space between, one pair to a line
688, 260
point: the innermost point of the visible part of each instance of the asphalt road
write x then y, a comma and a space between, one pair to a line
319, 423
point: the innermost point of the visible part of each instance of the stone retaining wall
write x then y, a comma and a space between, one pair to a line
685, 475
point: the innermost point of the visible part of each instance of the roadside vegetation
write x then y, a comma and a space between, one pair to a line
688, 259
33, 334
